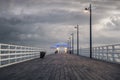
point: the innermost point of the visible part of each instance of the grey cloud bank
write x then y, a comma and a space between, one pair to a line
42, 23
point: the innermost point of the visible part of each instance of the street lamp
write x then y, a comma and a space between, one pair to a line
72, 36
90, 10
69, 45
77, 27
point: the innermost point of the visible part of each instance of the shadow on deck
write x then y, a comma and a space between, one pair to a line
61, 67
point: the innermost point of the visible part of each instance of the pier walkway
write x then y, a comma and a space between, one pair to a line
61, 67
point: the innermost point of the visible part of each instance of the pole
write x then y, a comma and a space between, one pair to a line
68, 46
77, 39
72, 43
90, 31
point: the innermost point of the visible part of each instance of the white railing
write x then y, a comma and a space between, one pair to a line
12, 54
85, 52
110, 53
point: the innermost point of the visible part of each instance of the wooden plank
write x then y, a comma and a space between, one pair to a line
61, 67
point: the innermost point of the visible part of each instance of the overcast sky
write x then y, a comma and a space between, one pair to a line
43, 23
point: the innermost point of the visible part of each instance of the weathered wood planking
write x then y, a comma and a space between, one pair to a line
61, 67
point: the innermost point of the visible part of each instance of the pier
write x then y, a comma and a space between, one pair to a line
61, 67
59, 39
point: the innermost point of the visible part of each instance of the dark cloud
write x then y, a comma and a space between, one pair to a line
45, 22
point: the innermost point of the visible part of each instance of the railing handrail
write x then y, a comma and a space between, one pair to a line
12, 54
107, 45
110, 53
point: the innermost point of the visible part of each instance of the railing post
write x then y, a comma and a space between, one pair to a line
15, 53
8, 54
0, 55
98, 52
113, 53
94, 52
107, 53
102, 53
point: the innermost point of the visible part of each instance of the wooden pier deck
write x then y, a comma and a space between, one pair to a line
61, 67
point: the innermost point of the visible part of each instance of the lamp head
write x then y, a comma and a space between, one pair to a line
86, 8
75, 27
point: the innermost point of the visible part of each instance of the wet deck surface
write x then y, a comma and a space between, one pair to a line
61, 67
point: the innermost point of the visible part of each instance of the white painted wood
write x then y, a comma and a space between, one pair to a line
12, 54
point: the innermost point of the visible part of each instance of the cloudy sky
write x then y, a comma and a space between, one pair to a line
43, 23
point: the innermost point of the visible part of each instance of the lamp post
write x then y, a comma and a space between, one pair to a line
72, 35
69, 44
90, 10
77, 27
68, 47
